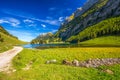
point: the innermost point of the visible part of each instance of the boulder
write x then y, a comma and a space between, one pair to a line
75, 62
66, 62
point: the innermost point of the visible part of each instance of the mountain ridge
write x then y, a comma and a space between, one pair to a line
110, 8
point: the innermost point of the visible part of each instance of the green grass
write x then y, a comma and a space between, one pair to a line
8, 42
42, 71
105, 41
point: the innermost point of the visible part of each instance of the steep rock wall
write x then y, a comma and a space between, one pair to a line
110, 9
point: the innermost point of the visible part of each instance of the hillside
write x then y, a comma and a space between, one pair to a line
5, 32
106, 27
7, 41
101, 10
103, 41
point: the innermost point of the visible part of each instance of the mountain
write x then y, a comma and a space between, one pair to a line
104, 28
86, 6
101, 12
44, 38
81, 10
7, 41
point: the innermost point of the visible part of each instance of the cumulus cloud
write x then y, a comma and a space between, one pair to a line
3, 21
12, 21
61, 19
32, 25
43, 25
28, 21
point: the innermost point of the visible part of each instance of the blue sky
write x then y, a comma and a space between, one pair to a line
27, 19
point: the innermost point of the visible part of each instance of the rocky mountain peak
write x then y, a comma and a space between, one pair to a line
81, 10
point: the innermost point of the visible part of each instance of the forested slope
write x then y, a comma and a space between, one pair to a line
107, 27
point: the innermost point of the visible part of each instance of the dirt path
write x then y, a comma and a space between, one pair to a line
6, 58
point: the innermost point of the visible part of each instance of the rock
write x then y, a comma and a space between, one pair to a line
51, 61
66, 62
75, 62
93, 63
86, 6
87, 65
108, 71
47, 62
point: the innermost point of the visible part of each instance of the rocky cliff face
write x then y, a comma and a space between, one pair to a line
87, 5
81, 10
94, 16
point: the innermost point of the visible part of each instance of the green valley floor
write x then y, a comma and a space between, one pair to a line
30, 64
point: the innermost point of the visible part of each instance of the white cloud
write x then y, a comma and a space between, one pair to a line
51, 21
28, 21
48, 21
32, 25
3, 21
12, 21
61, 19
43, 25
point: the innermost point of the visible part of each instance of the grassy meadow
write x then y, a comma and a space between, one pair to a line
41, 71
103, 41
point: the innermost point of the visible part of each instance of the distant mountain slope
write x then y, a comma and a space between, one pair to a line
7, 41
42, 39
100, 11
45, 39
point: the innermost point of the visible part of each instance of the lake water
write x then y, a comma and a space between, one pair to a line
45, 45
